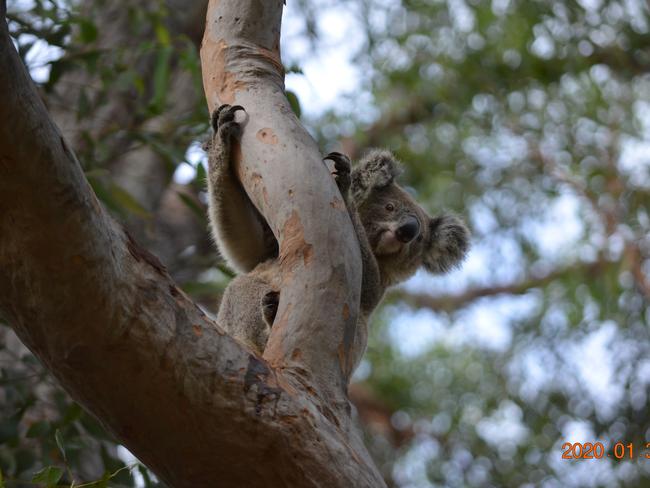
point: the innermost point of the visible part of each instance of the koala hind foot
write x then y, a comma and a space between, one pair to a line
224, 113
342, 169
223, 121
270, 302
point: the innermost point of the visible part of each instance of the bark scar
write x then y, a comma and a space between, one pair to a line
267, 136
141, 254
225, 83
294, 248
257, 375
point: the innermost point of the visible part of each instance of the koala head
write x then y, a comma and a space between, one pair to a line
402, 235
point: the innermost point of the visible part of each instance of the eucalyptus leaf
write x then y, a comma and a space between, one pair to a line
49, 475
127, 201
59, 443
198, 211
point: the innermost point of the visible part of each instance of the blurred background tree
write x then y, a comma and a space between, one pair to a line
530, 118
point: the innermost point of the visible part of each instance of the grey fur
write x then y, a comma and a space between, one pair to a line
449, 243
396, 237
378, 170
242, 312
232, 215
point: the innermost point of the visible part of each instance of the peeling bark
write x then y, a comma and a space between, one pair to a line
105, 317
283, 174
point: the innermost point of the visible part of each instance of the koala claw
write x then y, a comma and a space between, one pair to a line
223, 114
342, 167
270, 302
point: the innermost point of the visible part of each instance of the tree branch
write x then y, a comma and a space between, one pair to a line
105, 317
449, 303
284, 175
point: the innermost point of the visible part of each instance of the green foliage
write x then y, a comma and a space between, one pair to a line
49, 476
45, 438
294, 102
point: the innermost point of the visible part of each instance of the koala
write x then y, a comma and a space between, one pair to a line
396, 237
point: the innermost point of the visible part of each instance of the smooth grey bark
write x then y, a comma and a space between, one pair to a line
283, 173
105, 317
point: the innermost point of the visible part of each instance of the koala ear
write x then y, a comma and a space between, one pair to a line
447, 244
377, 169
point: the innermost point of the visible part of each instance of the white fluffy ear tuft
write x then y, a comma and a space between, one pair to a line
448, 244
377, 169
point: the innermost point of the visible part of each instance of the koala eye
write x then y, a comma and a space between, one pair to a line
390, 207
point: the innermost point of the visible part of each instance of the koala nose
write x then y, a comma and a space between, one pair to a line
409, 229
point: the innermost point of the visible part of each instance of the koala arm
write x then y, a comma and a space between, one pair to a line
372, 290
242, 235
371, 287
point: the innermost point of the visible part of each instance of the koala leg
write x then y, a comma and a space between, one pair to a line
240, 314
270, 302
241, 234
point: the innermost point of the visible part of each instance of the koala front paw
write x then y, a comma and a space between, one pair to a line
223, 121
342, 169
270, 303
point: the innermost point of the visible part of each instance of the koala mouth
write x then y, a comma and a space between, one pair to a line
387, 243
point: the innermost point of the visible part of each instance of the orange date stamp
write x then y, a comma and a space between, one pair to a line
597, 450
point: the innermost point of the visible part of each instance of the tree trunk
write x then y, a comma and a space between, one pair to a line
105, 317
